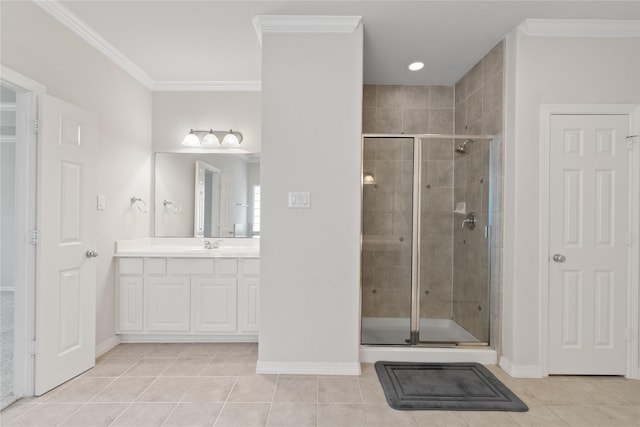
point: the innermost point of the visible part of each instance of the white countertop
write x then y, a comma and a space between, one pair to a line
177, 247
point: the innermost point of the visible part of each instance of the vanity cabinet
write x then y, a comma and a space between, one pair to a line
180, 299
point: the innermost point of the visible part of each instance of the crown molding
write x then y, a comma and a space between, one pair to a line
71, 21
208, 86
304, 24
581, 28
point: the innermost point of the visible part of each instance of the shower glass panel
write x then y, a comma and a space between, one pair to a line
425, 240
387, 239
454, 249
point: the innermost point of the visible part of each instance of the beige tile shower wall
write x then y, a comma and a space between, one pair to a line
436, 244
408, 109
387, 207
387, 210
478, 110
478, 96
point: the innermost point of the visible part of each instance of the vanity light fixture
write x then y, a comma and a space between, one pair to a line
212, 138
415, 66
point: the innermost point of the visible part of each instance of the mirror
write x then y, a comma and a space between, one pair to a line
207, 195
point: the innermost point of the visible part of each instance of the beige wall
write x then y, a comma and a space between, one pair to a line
174, 113
546, 70
36, 45
310, 263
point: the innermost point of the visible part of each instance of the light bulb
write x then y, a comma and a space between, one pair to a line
210, 139
230, 139
191, 140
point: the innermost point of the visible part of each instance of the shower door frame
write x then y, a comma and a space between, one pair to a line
414, 318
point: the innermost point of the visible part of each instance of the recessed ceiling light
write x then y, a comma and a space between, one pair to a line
415, 66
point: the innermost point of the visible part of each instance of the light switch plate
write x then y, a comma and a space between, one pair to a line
102, 202
299, 199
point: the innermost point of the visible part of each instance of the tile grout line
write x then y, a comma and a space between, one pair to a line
273, 394
82, 404
224, 404
135, 400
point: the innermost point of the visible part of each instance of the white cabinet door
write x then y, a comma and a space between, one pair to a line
214, 304
248, 305
130, 304
167, 304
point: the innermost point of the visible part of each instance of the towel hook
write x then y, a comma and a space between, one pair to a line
140, 204
170, 207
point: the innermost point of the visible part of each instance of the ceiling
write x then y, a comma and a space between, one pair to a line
214, 43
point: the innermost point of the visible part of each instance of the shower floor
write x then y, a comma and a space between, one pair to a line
395, 330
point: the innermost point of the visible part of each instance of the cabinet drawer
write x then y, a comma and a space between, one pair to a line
130, 266
226, 267
182, 266
155, 266
249, 267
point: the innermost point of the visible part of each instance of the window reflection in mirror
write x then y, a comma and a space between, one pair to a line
207, 195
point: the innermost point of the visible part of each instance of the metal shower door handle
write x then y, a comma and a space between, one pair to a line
559, 258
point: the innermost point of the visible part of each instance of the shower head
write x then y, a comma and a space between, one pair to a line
462, 148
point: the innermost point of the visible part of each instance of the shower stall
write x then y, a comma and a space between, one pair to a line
426, 231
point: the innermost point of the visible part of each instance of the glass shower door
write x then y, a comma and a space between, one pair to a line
388, 186
454, 249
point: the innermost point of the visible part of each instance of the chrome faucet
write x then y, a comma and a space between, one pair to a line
209, 245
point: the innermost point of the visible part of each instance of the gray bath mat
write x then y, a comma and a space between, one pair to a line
446, 386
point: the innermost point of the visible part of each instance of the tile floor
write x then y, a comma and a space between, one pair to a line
216, 385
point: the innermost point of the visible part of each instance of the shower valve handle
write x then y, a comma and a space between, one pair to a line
470, 221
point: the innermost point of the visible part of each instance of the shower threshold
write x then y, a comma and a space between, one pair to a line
433, 332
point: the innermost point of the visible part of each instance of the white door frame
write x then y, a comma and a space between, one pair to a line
27, 187
633, 111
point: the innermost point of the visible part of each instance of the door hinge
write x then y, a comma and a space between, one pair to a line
35, 348
36, 126
34, 237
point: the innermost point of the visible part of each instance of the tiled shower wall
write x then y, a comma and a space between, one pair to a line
387, 243
457, 290
479, 106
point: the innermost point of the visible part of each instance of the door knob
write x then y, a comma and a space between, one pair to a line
559, 258
92, 253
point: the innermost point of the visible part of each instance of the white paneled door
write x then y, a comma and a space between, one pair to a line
66, 301
588, 244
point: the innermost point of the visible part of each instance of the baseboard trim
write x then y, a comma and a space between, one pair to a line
165, 338
107, 345
520, 371
372, 354
308, 368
